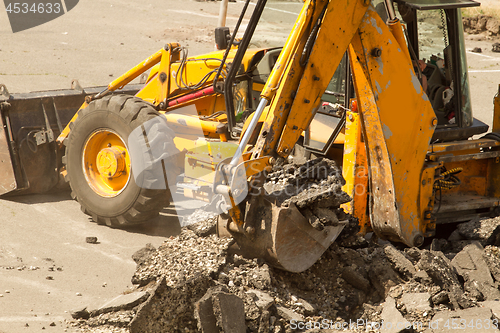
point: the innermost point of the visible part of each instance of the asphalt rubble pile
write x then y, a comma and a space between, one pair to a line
314, 187
194, 282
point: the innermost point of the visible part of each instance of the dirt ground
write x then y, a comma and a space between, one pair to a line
96, 42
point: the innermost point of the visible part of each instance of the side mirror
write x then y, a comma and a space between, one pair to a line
222, 37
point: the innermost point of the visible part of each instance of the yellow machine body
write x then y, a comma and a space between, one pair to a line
403, 168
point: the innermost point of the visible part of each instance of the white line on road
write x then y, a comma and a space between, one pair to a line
483, 55
31, 283
196, 14
484, 70
24, 319
275, 9
106, 254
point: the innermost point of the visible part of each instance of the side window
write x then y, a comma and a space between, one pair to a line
335, 93
330, 117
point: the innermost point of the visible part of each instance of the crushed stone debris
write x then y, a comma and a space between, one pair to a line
181, 257
341, 286
314, 187
201, 222
358, 279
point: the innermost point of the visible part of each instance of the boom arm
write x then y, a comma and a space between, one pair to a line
397, 142
397, 118
307, 74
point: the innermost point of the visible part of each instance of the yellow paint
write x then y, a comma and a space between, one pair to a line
111, 161
184, 125
257, 86
289, 71
480, 176
355, 171
206, 105
235, 213
384, 212
331, 43
493, 178
201, 161
351, 144
154, 91
133, 73
295, 41
427, 200
472, 178
163, 81
407, 136
106, 163
496, 111
195, 69
397, 121
254, 166
65, 132
397, 30
445, 148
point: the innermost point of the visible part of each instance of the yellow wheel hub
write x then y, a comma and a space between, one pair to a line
106, 163
111, 161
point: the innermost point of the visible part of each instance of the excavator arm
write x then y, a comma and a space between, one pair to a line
401, 184
397, 122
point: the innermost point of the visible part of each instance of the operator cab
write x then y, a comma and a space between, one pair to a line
436, 43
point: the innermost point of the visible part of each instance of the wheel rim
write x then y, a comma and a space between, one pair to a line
106, 163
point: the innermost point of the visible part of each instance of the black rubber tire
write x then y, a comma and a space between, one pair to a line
136, 204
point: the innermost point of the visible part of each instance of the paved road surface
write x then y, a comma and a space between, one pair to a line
96, 42
484, 76
45, 260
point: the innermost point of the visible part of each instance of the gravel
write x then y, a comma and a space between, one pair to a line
323, 292
352, 280
183, 256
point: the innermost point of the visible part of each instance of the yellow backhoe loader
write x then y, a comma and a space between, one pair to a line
348, 84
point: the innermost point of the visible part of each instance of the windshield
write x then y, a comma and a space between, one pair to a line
274, 25
432, 34
270, 33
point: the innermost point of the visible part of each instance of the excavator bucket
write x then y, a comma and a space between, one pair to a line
283, 236
29, 153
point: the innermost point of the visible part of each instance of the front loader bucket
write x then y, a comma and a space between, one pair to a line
30, 159
284, 237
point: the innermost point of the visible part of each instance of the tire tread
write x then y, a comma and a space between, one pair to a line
149, 202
